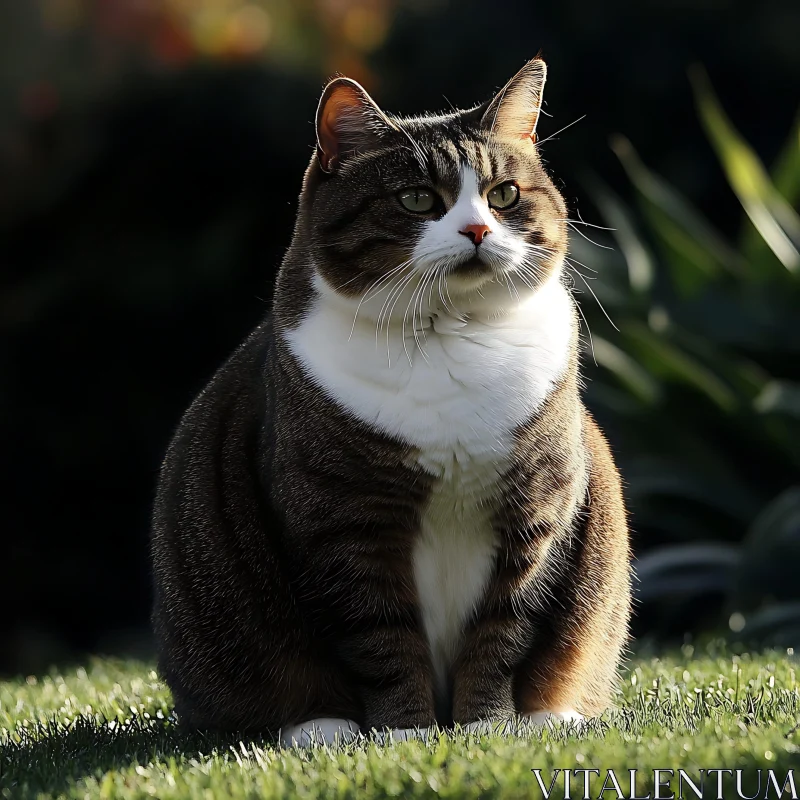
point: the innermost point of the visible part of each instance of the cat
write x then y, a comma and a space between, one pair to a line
390, 509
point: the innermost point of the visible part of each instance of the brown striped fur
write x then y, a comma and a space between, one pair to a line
283, 526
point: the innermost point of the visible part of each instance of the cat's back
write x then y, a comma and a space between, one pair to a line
224, 422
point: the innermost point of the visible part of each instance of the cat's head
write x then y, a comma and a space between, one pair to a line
455, 209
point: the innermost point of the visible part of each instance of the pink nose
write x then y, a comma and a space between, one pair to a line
476, 232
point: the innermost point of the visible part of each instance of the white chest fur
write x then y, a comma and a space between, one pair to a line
458, 406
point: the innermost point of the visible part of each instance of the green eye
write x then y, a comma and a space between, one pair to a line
503, 196
418, 200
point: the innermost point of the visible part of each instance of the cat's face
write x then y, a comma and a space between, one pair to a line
453, 212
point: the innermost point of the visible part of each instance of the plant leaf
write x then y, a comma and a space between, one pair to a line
694, 248
779, 397
785, 171
649, 478
774, 218
776, 626
771, 555
639, 259
664, 359
637, 380
696, 568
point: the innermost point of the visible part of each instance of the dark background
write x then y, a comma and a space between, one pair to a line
151, 155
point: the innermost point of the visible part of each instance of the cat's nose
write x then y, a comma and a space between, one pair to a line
476, 232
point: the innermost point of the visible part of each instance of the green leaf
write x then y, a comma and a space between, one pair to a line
661, 357
741, 374
779, 397
694, 250
639, 259
650, 478
785, 172
773, 217
771, 554
637, 380
694, 569
776, 626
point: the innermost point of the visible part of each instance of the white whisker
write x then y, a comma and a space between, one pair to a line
596, 298
428, 274
591, 241
588, 330
560, 130
398, 286
574, 261
388, 317
580, 221
401, 279
366, 296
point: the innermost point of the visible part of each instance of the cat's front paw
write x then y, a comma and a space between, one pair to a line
317, 732
510, 725
543, 717
402, 735
488, 727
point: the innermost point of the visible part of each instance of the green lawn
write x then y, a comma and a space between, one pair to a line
103, 731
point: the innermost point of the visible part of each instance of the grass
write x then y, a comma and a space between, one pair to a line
104, 731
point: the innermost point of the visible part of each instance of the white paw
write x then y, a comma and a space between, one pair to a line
402, 735
317, 732
542, 717
488, 726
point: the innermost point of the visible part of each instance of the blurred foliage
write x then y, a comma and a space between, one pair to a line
59, 56
151, 152
177, 32
700, 387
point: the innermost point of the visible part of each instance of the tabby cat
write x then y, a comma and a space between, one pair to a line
390, 509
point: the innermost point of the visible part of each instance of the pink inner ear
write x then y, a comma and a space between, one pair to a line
517, 119
526, 133
343, 101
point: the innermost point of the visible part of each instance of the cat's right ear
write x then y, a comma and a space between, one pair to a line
515, 109
348, 120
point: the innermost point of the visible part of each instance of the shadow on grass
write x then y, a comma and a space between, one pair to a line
51, 757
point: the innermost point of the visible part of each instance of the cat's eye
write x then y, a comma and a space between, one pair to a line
503, 195
417, 199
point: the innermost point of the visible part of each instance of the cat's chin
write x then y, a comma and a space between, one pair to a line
469, 276
467, 283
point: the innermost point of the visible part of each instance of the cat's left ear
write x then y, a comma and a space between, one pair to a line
515, 109
348, 120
